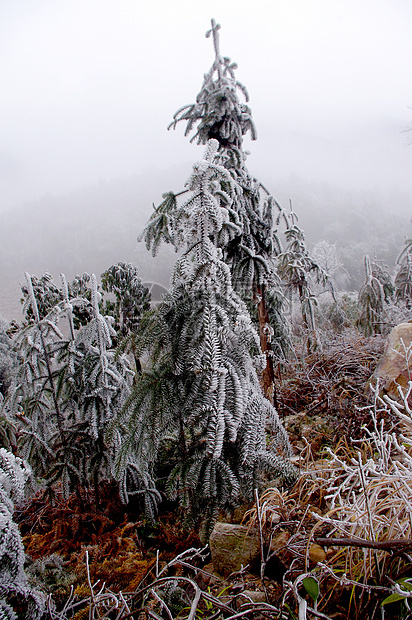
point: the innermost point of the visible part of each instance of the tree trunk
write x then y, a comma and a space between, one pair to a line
268, 375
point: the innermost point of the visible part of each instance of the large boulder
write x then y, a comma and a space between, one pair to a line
395, 367
233, 547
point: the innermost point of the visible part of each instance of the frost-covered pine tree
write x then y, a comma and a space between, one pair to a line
16, 596
297, 268
197, 415
374, 294
253, 252
250, 253
403, 276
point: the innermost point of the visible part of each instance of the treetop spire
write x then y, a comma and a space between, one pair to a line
218, 113
215, 32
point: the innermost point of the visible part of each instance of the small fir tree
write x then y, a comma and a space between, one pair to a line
374, 295
297, 269
132, 300
403, 277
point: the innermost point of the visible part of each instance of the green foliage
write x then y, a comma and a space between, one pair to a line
401, 595
311, 586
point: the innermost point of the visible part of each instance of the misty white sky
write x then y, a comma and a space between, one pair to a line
89, 87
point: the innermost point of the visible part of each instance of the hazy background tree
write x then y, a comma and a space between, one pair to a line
374, 295
403, 277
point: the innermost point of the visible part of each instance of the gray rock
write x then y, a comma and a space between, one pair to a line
393, 368
233, 547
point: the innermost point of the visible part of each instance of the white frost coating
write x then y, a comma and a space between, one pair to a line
210, 346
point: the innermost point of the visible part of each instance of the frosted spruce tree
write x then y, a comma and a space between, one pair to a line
197, 415
403, 276
297, 270
251, 252
374, 295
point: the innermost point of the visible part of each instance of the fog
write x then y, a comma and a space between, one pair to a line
90, 86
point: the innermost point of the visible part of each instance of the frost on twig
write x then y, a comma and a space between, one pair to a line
369, 492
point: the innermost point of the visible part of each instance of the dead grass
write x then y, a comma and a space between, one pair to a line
320, 396
355, 504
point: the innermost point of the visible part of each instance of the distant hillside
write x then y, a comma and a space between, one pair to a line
87, 230
93, 228
358, 223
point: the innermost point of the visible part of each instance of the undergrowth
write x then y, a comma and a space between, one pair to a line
321, 397
336, 545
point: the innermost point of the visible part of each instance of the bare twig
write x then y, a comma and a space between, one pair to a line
391, 546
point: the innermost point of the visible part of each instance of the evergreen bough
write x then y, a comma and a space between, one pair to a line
16, 596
